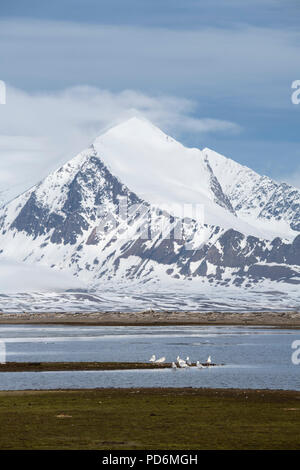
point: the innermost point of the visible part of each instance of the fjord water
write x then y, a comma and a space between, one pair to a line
252, 357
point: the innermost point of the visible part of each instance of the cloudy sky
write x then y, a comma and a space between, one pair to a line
212, 74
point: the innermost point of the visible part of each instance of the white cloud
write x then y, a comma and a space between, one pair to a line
40, 131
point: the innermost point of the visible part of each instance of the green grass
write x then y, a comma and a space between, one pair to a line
150, 419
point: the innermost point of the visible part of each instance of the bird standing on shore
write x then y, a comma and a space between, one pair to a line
208, 362
160, 360
184, 365
152, 358
181, 363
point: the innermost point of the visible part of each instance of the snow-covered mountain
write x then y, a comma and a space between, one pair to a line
273, 207
115, 212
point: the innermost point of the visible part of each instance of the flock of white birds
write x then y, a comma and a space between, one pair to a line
181, 363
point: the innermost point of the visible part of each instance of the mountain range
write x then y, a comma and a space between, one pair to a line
139, 206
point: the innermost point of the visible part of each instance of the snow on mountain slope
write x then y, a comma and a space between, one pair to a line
273, 207
21, 277
171, 296
165, 173
72, 220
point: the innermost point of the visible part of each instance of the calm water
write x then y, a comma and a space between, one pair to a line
253, 357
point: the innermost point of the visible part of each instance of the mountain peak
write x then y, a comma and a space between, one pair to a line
152, 163
135, 126
165, 173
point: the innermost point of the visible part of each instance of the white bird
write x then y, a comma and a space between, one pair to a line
208, 360
160, 360
178, 360
181, 363
188, 361
152, 358
174, 365
199, 365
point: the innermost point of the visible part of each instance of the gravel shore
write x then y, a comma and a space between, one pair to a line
152, 318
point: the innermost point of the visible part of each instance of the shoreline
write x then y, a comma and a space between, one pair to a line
203, 391
286, 320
